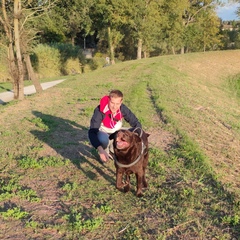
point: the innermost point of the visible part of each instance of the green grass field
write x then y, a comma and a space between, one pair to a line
52, 185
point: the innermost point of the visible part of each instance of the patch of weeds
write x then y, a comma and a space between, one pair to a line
39, 123
5, 196
36, 148
28, 162
54, 161
29, 194
130, 233
33, 224
45, 122
104, 208
6, 133
82, 99
105, 85
8, 188
14, 213
231, 220
87, 111
9, 185
77, 222
70, 189
95, 99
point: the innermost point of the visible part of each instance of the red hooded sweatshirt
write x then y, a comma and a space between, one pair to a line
109, 120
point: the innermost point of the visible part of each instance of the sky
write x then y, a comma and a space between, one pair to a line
227, 12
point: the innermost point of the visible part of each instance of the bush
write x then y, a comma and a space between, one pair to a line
46, 61
72, 66
93, 64
57, 59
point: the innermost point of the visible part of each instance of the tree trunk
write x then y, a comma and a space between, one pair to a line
110, 45
12, 67
173, 50
182, 50
19, 94
13, 70
31, 74
139, 49
145, 54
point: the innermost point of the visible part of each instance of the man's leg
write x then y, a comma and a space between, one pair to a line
103, 139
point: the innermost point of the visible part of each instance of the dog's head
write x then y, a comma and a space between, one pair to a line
123, 139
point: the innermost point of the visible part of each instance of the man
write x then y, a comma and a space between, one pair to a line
107, 118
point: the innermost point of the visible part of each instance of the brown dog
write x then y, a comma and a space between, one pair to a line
131, 156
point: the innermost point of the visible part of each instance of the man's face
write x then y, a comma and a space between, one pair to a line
114, 104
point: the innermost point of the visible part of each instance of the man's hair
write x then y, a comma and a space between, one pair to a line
116, 94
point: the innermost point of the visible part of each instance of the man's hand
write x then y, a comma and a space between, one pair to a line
103, 154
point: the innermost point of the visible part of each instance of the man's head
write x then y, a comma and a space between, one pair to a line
115, 100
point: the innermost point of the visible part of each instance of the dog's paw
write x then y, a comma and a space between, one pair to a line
126, 188
139, 194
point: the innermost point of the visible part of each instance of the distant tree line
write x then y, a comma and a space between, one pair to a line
122, 29
230, 31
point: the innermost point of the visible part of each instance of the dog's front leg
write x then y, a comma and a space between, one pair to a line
127, 183
139, 179
119, 179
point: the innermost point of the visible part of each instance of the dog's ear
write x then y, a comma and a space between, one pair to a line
136, 138
112, 136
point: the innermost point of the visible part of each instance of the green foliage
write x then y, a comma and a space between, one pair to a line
14, 213
4, 73
47, 61
39, 123
234, 84
32, 163
232, 220
71, 58
70, 189
72, 66
131, 233
87, 111
8, 188
11, 188
79, 223
33, 224
29, 194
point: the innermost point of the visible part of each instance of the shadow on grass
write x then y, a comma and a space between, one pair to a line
70, 140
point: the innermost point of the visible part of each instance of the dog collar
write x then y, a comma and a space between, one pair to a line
133, 163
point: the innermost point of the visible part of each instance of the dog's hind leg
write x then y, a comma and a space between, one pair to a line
144, 180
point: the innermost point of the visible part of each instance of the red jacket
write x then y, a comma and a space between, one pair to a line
109, 120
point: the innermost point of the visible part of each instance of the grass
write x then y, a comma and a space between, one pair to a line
53, 187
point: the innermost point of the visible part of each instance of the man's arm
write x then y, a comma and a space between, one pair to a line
129, 116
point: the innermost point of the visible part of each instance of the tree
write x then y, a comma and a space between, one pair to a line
187, 20
12, 30
14, 20
68, 24
110, 17
144, 18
